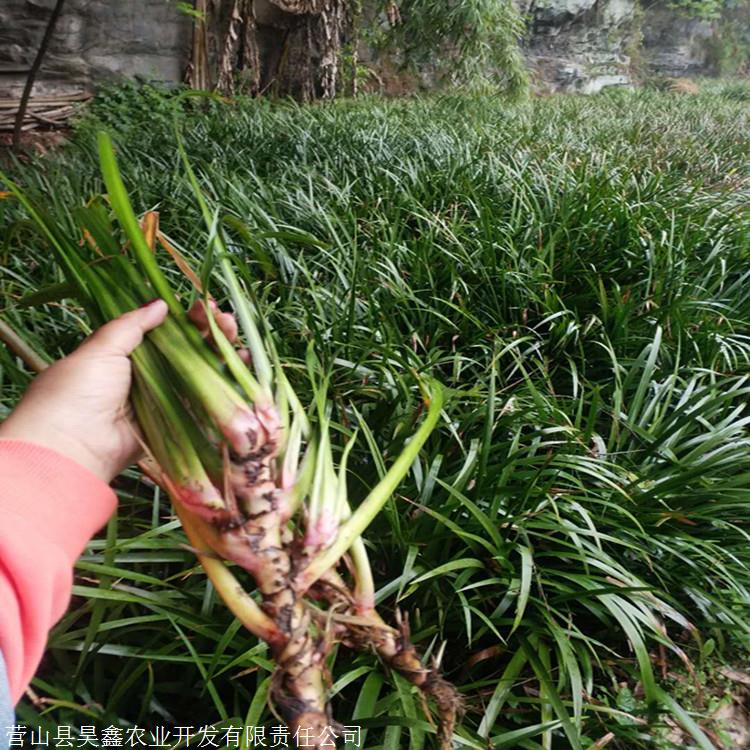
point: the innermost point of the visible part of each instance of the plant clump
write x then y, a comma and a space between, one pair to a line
250, 471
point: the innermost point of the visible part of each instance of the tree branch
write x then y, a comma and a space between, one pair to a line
34, 70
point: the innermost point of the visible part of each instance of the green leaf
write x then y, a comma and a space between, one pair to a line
551, 694
527, 567
502, 691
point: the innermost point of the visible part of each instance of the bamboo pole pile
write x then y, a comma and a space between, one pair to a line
42, 112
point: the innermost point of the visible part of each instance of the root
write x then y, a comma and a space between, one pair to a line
368, 632
395, 648
248, 528
299, 688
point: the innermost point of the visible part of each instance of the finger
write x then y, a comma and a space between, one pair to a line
226, 321
245, 356
122, 335
197, 314
227, 324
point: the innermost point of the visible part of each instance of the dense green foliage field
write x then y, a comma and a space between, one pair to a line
576, 271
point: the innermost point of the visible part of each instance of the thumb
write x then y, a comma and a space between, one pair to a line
122, 335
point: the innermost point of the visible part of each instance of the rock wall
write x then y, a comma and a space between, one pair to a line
94, 40
585, 45
581, 45
678, 46
572, 45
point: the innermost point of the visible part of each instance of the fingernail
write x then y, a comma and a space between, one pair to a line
150, 302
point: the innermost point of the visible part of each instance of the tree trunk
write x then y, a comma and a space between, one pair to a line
282, 47
199, 70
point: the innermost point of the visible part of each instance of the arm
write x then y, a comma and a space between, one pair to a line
69, 436
50, 507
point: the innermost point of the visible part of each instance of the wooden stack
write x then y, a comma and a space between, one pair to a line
41, 112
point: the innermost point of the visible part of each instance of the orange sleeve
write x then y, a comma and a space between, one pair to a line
50, 507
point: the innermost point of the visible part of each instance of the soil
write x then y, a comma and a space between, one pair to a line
728, 727
734, 718
33, 142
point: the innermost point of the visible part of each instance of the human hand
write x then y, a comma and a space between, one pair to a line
79, 406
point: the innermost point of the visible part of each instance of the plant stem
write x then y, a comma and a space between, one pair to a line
371, 505
228, 587
21, 349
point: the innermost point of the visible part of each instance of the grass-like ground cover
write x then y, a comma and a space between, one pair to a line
576, 271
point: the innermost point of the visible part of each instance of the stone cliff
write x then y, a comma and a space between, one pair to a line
586, 45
